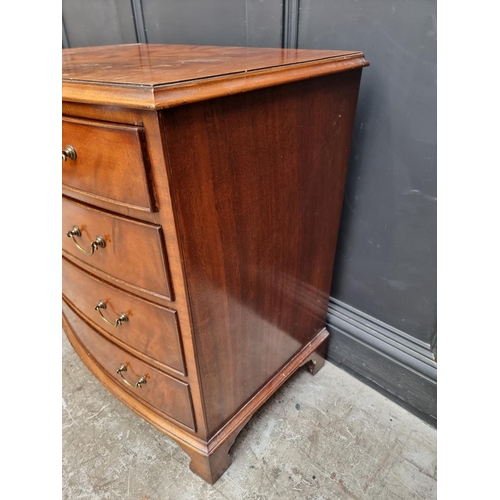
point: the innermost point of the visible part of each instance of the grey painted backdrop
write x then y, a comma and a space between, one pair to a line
383, 305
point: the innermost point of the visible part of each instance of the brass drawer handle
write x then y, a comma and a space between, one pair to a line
137, 385
98, 242
118, 321
69, 152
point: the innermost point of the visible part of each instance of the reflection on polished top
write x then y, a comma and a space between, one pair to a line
143, 64
158, 76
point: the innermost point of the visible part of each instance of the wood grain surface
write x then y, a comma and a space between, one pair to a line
161, 392
143, 64
151, 332
160, 76
164, 218
231, 162
266, 176
134, 251
209, 459
111, 162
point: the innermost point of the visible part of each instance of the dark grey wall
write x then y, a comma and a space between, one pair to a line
98, 22
385, 269
208, 22
214, 22
383, 306
386, 264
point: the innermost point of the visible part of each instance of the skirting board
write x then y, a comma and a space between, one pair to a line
393, 361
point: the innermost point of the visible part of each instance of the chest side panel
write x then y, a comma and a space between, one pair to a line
257, 179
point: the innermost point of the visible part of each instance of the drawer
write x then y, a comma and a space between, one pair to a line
150, 331
134, 251
161, 392
111, 163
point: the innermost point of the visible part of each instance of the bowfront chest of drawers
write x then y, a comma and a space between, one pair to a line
202, 190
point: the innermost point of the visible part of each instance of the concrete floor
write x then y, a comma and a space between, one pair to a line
323, 437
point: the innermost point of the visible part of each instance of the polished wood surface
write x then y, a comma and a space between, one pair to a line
152, 64
164, 218
222, 199
159, 76
209, 459
151, 332
134, 251
252, 213
161, 392
111, 163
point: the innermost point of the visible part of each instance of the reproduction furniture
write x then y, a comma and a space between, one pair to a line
202, 191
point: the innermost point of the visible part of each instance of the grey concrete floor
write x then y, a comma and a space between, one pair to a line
323, 437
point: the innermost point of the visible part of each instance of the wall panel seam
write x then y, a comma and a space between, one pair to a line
65, 41
140, 25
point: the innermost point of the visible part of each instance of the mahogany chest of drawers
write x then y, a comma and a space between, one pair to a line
202, 190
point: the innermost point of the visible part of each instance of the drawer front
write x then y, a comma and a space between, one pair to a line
134, 252
150, 331
161, 392
111, 163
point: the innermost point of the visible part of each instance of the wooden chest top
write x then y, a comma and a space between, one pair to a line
161, 76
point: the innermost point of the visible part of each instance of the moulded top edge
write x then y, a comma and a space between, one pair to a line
159, 76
